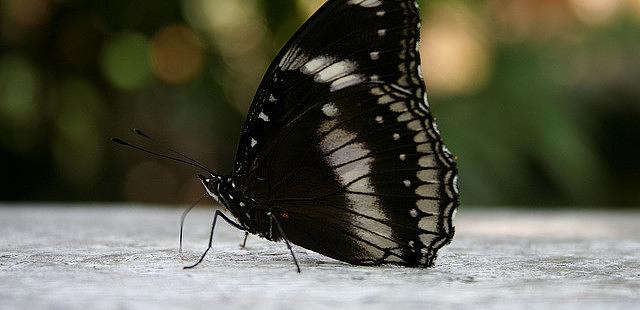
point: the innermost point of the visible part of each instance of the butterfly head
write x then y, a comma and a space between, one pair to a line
211, 185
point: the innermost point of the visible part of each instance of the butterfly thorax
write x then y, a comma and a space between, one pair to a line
253, 218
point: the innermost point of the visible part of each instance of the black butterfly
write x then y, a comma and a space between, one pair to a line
340, 153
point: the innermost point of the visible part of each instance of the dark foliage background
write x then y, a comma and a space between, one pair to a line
538, 98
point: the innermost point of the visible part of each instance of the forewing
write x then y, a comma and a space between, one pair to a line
341, 143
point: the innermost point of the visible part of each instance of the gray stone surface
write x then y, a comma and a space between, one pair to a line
99, 257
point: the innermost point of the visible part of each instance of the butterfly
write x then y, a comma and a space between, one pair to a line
340, 153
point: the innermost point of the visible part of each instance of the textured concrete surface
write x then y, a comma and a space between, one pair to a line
126, 258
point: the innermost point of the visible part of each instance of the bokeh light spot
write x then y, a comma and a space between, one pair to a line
125, 61
239, 32
522, 20
455, 54
596, 12
177, 54
26, 14
19, 112
19, 87
635, 8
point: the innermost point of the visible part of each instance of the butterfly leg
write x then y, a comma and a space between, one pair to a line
244, 242
213, 226
184, 215
274, 219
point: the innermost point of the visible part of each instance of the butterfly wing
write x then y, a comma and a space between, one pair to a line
340, 142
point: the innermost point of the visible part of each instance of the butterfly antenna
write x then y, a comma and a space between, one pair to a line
184, 215
154, 141
127, 144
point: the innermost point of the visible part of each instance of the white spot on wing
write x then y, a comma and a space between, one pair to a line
347, 81
330, 110
366, 3
263, 117
347, 153
336, 70
455, 184
426, 239
376, 91
428, 190
420, 137
415, 125
428, 175
425, 100
428, 206
398, 107
406, 116
424, 148
386, 99
327, 125
285, 58
427, 161
335, 139
429, 223
367, 205
374, 55
362, 186
363, 204
316, 64
293, 59
371, 3
351, 172
413, 213
253, 142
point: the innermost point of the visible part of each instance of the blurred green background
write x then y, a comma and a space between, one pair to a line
538, 98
